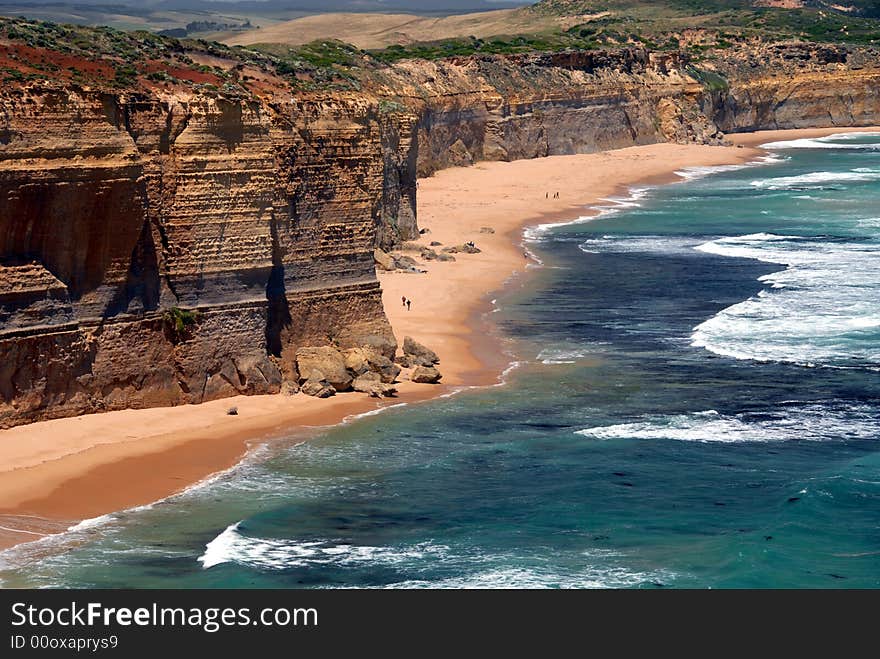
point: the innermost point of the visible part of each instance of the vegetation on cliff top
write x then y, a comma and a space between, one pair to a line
103, 56
583, 38
694, 26
658, 19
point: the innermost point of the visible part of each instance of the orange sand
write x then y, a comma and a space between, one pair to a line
55, 473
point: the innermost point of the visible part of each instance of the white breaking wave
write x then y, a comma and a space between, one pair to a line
379, 410
231, 546
616, 204
748, 247
52, 540
637, 194
823, 309
537, 232
567, 355
852, 135
691, 173
836, 141
809, 422
816, 179
637, 244
271, 554
518, 578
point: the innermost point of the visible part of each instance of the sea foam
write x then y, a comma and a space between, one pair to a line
506, 578
813, 422
232, 546
541, 232
821, 310
836, 141
814, 180
568, 354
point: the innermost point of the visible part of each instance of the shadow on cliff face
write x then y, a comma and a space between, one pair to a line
142, 282
229, 126
279, 317
82, 231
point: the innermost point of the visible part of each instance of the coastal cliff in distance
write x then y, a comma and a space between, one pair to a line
173, 233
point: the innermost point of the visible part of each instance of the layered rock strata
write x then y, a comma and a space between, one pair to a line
766, 87
528, 106
158, 252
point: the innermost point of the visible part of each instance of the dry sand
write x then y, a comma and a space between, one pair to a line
55, 473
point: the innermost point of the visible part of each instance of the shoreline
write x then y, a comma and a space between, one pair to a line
55, 474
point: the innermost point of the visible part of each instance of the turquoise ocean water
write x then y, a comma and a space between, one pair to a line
695, 402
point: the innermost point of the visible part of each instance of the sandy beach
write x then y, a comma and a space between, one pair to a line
56, 473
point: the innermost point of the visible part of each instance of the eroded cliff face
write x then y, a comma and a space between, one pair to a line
164, 251
795, 86
169, 246
528, 106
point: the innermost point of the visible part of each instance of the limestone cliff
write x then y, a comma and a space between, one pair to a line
164, 251
763, 87
528, 106
173, 243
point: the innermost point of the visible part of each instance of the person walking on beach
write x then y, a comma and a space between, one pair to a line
408, 302
403, 300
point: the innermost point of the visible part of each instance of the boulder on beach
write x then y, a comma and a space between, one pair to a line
318, 386
458, 155
356, 361
364, 360
365, 379
386, 368
425, 375
467, 248
366, 336
431, 255
289, 388
418, 354
383, 259
407, 264
329, 361
371, 383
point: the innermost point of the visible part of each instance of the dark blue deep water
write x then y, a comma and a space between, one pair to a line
697, 404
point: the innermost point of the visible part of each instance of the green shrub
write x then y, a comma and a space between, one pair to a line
125, 75
710, 80
179, 323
